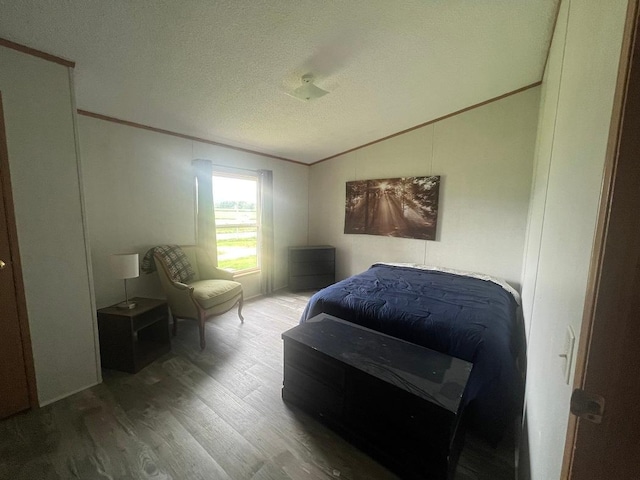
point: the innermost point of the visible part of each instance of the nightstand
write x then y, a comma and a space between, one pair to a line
132, 339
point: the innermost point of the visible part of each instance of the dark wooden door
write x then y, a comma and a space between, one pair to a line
608, 362
16, 380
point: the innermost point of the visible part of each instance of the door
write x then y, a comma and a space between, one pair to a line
608, 361
17, 385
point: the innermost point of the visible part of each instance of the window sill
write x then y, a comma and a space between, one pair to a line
246, 273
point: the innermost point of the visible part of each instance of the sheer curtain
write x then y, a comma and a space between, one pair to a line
205, 215
266, 228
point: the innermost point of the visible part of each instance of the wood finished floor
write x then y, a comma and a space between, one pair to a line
215, 414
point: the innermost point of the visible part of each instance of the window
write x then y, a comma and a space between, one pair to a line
235, 202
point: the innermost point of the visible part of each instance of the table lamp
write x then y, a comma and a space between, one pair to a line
125, 265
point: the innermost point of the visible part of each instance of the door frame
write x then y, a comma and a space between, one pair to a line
609, 249
21, 300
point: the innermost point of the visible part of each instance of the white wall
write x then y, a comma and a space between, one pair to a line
140, 193
577, 99
39, 115
484, 157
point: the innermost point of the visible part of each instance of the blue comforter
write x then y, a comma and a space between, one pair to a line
464, 317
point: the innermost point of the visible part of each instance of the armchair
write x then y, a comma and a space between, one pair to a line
209, 293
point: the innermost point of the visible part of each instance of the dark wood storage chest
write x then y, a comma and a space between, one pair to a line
399, 401
311, 267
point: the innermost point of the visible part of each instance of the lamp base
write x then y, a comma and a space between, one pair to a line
127, 305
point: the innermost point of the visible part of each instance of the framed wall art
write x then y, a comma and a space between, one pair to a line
396, 207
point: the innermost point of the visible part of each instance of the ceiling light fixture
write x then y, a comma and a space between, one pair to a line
308, 91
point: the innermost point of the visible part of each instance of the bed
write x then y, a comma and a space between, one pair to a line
469, 316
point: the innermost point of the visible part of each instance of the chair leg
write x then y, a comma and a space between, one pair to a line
175, 325
203, 343
201, 318
240, 302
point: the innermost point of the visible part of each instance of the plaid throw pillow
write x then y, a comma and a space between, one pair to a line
177, 263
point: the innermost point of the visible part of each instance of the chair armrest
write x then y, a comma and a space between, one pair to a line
208, 269
181, 286
222, 274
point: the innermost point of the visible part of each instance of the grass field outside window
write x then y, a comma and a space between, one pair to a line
237, 222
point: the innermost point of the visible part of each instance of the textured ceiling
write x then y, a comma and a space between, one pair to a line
219, 69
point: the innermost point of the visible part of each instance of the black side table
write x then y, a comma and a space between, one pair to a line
132, 339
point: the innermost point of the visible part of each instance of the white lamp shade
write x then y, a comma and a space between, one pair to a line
125, 265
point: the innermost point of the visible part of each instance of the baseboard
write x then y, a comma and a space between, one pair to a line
65, 395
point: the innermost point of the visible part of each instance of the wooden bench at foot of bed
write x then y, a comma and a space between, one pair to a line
400, 402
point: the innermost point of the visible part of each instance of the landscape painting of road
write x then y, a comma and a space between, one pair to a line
395, 207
